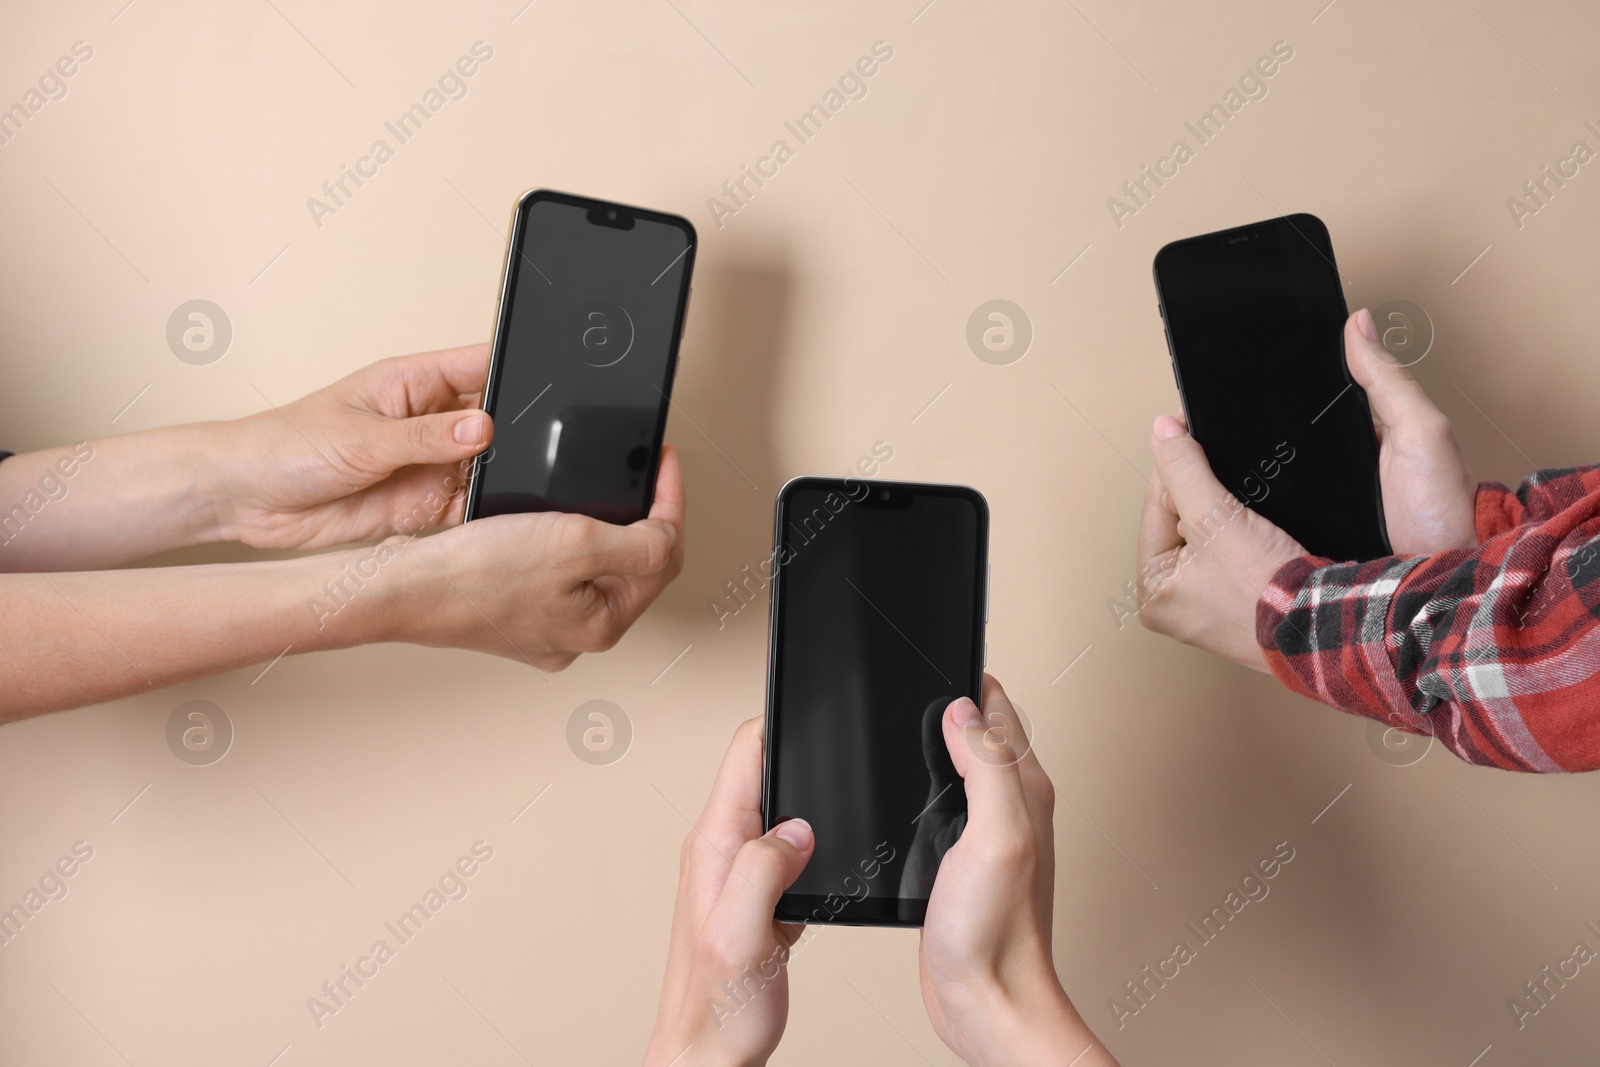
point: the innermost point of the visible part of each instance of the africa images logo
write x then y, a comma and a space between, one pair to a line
600, 332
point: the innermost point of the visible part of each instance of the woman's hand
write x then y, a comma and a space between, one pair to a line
1429, 495
725, 997
988, 977
385, 450
541, 588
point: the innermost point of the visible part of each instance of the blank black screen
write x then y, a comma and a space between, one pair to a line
585, 347
877, 627
1255, 318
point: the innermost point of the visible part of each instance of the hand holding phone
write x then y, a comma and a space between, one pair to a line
385, 450
539, 588
1429, 493
988, 973
725, 995
1203, 592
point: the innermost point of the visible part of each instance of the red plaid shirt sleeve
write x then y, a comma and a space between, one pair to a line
1493, 650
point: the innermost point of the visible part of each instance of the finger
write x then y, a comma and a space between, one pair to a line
1039, 794
982, 747
741, 920
630, 594
437, 381
649, 546
734, 806
427, 439
456, 511
731, 817
1158, 526
418, 498
670, 504
1186, 475
640, 549
1397, 399
1002, 717
998, 708
465, 369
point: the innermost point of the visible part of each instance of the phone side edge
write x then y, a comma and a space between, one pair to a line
779, 503
1166, 329
669, 373
981, 594
502, 311
769, 730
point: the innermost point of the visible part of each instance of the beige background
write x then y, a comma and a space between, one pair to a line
829, 312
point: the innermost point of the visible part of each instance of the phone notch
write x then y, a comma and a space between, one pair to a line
894, 499
612, 216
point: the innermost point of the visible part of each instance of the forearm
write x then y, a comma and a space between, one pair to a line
1540, 497
1495, 651
75, 639
1358, 636
112, 501
1323, 628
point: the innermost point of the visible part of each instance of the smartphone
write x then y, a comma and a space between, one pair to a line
592, 306
1255, 326
879, 599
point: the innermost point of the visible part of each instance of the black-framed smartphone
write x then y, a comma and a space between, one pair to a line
879, 599
592, 305
1255, 327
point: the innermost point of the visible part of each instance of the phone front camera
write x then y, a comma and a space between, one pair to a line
611, 215
883, 494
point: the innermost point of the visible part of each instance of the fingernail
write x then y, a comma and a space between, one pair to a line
1167, 428
965, 712
797, 832
469, 431
1368, 328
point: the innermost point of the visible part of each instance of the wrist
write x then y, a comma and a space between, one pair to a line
202, 457
411, 593
702, 1052
1043, 1029
363, 596
1020, 1020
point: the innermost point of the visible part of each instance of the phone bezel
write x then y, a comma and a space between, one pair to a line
1305, 225
884, 911
502, 315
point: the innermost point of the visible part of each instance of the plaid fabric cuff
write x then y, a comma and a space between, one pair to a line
1326, 631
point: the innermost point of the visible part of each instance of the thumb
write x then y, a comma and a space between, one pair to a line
637, 550
1396, 397
761, 871
440, 438
984, 748
1186, 473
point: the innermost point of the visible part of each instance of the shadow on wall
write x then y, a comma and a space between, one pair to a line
721, 421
